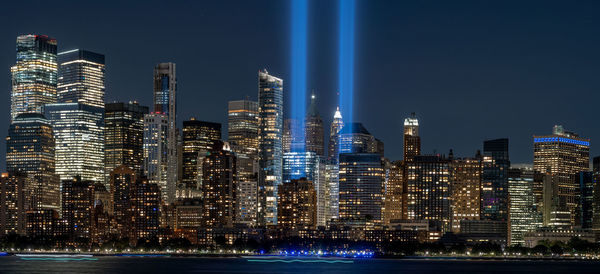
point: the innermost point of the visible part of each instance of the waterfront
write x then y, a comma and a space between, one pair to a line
259, 264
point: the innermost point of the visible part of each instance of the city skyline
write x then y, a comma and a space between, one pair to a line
422, 69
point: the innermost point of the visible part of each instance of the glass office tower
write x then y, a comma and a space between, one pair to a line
199, 137
155, 154
270, 112
124, 136
81, 77
34, 76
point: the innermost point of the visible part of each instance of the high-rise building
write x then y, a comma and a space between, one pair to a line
355, 138
332, 173
14, 197
78, 207
297, 205
428, 190
270, 133
315, 136
297, 165
30, 149
34, 76
494, 180
585, 210
564, 154
412, 140
522, 211
334, 139
81, 77
219, 187
361, 187
465, 185
155, 154
292, 140
247, 198
242, 121
394, 192
79, 135
243, 137
596, 195
145, 210
165, 102
124, 136
199, 137
121, 180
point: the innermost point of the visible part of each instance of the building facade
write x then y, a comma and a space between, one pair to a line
412, 140
219, 187
81, 77
199, 138
297, 205
124, 136
313, 128
156, 130
522, 212
466, 189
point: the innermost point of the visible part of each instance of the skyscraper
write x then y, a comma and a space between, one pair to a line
77, 207
564, 154
292, 140
30, 150
242, 120
219, 187
394, 192
121, 180
14, 197
124, 136
145, 210
361, 187
585, 210
428, 190
412, 140
355, 138
79, 134
34, 76
465, 189
522, 212
494, 181
165, 102
315, 138
270, 113
199, 137
81, 77
336, 125
155, 154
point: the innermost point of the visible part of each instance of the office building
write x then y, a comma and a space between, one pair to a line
585, 210
121, 180
494, 181
81, 77
30, 151
355, 138
124, 136
243, 137
313, 128
522, 211
219, 187
361, 187
156, 128
270, 132
14, 198
337, 124
465, 185
412, 140
35, 74
297, 205
564, 154
394, 192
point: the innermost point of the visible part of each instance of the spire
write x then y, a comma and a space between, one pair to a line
312, 109
338, 114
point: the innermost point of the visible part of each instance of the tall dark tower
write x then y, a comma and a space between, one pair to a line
412, 141
494, 181
314, 129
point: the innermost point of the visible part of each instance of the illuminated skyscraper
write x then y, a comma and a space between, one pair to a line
30, 150
522, 212
585, 211
165, 102
494, 181
219, 187
155, 154
315, 136
270, 131
34, 76
247, 199
292, 140
79, 134
297, 205
394, 192
81, 77
361, 187
124, 136
465, 189
334, 146
332, 171
242, 118
564, 154
412, 140
428, 190
199, 137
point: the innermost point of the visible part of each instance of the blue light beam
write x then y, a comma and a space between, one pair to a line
298, 80
346, 59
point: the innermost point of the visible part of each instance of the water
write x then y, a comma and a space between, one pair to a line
243, 265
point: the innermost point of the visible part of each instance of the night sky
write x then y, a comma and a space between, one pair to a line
471, 70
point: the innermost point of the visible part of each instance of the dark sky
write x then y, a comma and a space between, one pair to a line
471, 70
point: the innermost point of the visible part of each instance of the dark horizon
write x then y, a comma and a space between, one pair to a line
471, 71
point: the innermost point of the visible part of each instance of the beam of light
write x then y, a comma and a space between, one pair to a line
298, 80
346, 59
